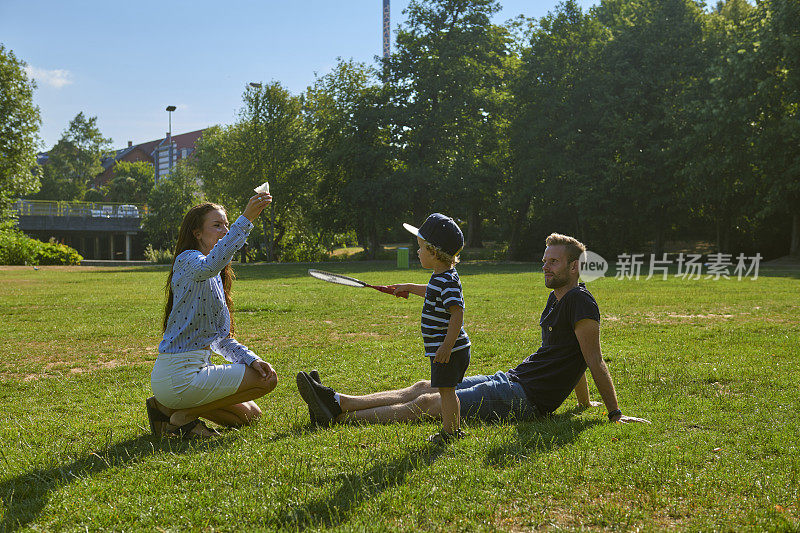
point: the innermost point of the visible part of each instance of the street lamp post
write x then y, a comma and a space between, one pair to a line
256, 118
170, 109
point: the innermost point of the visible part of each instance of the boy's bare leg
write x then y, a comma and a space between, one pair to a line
450, 409
392, 398
426, 404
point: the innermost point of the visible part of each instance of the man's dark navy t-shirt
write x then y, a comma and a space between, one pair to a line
549, 375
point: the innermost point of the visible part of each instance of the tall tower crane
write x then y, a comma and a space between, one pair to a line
386, 28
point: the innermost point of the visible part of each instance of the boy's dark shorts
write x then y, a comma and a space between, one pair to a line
451, 373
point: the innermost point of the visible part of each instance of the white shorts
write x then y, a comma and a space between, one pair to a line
188, 379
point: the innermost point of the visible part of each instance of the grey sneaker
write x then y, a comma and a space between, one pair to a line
319, 399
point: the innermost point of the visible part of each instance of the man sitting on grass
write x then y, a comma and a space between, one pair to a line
536, 387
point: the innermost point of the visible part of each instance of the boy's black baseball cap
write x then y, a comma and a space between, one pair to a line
440, 231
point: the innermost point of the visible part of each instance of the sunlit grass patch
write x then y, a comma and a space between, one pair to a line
713, 364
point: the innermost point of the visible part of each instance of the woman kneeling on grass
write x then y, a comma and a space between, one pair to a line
197, 321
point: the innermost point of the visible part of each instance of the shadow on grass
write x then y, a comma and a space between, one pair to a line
23, 497
539, 436
334, 510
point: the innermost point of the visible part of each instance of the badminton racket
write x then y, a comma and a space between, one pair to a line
330, 277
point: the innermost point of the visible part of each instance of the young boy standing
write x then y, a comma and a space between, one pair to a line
446, 343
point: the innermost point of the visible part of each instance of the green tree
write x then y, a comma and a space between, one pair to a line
74, 161
168, 202
720, 172
732, 13
555, 186
651, 61
450, 76
267, 143
776, 53
19, 127
96, 194
352, 155
131, 183
747, 126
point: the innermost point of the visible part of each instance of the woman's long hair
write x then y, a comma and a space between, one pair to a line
192, 222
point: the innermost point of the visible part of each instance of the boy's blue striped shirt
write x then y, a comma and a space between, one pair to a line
443, 292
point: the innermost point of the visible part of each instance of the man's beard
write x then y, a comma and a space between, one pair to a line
556, 281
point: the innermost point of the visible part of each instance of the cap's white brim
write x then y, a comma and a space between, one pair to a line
411, 229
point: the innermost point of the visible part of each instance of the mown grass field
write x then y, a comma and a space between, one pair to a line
713, 364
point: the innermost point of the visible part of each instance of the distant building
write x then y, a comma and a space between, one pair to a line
155, 152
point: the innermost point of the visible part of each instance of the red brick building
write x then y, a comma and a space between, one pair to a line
156, 152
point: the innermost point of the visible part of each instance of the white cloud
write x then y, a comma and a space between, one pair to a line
54, 78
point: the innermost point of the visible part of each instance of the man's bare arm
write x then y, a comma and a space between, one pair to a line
588, 333
582, 393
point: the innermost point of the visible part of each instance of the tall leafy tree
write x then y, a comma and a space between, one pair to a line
328, 109
19, 128
74, 161
720, 170
555, 186
654, 56
449, 72
776, 50
267, 143
353, 155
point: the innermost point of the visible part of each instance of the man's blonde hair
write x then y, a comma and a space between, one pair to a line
574, 247
440, 255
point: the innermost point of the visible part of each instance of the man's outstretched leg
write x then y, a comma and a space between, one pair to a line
421, 406
410, 403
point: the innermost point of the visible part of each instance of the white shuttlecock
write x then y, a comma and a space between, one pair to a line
264, 187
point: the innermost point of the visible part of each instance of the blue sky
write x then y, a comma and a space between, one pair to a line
124, 62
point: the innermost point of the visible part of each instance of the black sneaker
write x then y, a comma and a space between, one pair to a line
315, 376
438, 439
319, 399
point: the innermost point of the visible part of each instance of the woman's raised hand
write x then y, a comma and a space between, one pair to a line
256, 204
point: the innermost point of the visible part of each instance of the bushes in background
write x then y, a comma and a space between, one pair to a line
18, 249
160, 257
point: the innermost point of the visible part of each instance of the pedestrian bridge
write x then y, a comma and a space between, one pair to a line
98, 230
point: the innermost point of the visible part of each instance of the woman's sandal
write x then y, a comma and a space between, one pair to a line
156, 418
187, 431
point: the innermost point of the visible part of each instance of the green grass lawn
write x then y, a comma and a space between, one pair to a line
713, 364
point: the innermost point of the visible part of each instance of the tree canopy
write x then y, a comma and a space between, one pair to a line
19, 130
74, 161
630, 125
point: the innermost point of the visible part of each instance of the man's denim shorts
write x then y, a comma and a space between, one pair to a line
493, 398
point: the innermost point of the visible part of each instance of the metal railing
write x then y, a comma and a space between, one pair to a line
47, 208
